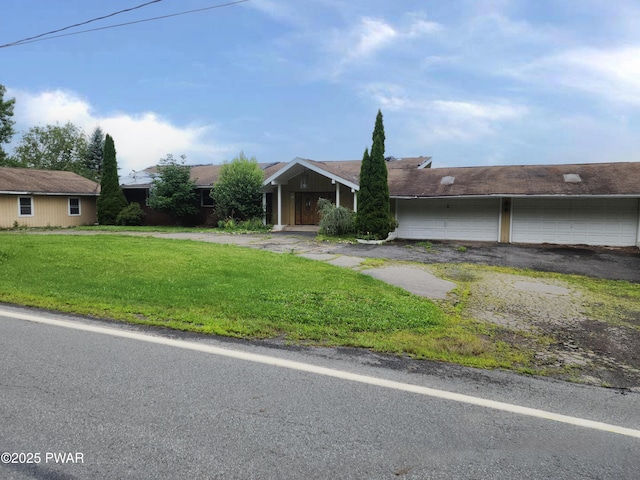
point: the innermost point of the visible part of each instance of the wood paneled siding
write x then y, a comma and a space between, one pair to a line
316, 184
47, 210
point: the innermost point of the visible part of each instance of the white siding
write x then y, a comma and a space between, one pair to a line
448, 219
588, 221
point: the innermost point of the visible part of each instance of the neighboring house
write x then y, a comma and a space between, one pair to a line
592, 204
42, 198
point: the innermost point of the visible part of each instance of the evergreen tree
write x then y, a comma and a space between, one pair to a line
92, 161
111, 200
364, 194
374, 219
6, 124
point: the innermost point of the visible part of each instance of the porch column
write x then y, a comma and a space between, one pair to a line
355, 199
264, 208
337, 194
279, 207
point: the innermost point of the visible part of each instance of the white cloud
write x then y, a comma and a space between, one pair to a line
612, 74
419, 26
370, 36
458, 120
478, 111
276, 9
444, 119
387, 96
141, 139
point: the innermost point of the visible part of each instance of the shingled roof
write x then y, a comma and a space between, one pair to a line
27, 181
568, 179
409, 178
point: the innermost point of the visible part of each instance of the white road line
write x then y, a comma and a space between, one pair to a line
330, 372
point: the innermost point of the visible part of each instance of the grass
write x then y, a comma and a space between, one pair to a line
346, 238
234, 291
244, 293
238, 228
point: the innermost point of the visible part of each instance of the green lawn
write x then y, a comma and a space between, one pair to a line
234, 291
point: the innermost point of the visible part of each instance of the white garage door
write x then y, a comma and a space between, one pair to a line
453, 219
611, 222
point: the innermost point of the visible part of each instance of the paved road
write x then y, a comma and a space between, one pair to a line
147, 406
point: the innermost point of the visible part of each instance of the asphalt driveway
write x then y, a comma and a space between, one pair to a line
598, 262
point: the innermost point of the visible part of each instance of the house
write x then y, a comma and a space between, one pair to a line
295, 188
41, 198
592, 204
137, 184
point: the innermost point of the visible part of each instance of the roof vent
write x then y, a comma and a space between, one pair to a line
391, 159
572, 178
447, 180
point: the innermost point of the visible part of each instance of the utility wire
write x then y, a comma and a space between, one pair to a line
16, 44
26, 40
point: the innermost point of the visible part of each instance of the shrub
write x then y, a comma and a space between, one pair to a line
131, 215
238, 191
251, 225
335, 220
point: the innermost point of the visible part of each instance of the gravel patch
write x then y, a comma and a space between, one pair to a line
581, 349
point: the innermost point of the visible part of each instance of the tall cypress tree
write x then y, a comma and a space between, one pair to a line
111, 200
374, 217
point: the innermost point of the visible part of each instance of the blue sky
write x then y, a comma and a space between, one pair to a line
468, 82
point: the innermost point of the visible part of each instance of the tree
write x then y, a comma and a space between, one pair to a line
374, 217
238, 192
111, 200
173, 191
6, 124
53, 147
92, 161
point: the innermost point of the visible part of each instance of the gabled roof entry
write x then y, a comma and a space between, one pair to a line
297, 166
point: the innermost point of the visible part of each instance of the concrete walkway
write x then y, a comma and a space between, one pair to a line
413, 279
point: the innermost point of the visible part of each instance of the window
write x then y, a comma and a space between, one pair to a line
205, 198
74, 207
25, 207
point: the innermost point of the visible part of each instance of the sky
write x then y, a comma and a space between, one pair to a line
466, 82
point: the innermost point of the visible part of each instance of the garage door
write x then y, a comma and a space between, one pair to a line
454, 219
611, 222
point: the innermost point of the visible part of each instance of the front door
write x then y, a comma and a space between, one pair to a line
307, 207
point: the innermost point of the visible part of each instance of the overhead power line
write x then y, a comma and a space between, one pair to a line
29, 39
17, 44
